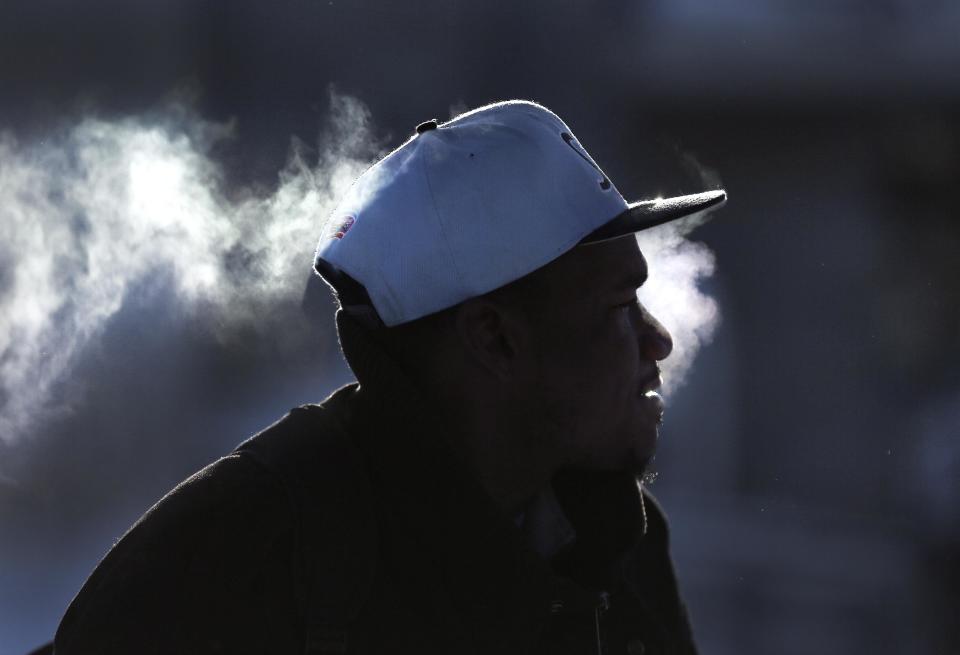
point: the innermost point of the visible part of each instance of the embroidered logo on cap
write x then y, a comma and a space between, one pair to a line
341, 226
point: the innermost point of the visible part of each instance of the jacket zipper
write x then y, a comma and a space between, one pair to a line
598, 613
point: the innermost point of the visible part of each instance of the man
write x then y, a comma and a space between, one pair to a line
476, 491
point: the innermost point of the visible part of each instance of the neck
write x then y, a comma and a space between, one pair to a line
506, 459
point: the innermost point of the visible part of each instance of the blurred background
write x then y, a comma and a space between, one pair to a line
165, 169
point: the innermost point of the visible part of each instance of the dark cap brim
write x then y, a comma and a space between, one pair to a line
650, 213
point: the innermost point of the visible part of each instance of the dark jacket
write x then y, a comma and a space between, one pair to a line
348, 527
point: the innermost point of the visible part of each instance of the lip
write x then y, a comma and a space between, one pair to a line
650, 397
652, 383
656, 403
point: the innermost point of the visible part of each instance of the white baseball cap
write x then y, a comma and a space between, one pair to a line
467, 206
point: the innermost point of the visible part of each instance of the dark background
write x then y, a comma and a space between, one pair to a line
811, 464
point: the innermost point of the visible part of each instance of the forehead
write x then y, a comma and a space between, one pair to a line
608, 265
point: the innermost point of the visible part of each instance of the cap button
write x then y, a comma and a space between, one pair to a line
426, 126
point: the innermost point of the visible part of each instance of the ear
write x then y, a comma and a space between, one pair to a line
492, 336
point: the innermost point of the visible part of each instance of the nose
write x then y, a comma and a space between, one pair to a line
655, 341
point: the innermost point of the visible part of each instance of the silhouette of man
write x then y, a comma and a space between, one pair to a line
475, 491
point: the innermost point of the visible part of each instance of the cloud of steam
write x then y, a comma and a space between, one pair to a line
88, 216
672, 293
457, 108
93, 214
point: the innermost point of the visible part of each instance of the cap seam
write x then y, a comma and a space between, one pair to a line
436, 217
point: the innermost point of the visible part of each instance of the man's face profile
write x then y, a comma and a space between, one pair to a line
596, 355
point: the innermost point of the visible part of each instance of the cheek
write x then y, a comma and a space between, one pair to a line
618, 352
603, 394
616, 376
604, 371
586, 389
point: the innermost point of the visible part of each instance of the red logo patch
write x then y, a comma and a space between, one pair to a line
341, 226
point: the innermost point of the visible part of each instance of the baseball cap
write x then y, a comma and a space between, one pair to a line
467, 206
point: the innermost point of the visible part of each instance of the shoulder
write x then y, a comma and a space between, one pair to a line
312, 451
214, 566
212, 554
309, 440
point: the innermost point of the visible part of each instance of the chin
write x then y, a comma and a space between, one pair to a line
628, 450
631, 460
642, 465
636, 463
644, 448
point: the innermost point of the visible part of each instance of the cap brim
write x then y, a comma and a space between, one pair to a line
650, 213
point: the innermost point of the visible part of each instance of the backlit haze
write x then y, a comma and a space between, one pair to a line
101, 207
